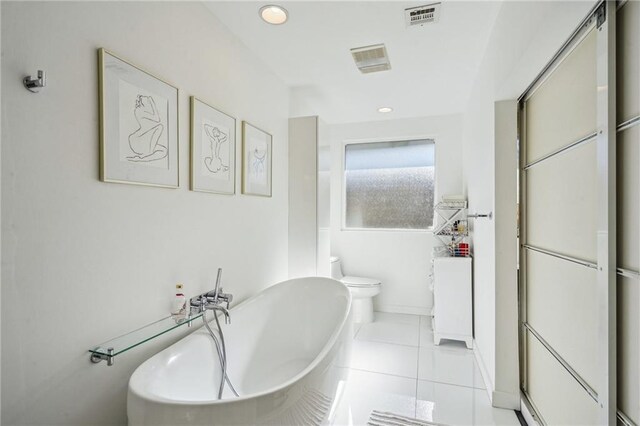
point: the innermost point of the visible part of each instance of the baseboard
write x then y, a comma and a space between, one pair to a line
399, 309
526, 412
488, 385
498, 399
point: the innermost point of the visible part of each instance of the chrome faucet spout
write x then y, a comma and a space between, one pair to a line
225, 312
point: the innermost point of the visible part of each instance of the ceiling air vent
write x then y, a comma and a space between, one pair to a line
371, 58
418, 16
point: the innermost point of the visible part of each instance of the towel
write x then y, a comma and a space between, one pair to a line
381, 418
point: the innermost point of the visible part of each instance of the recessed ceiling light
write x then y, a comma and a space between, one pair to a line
385, 109
274, 14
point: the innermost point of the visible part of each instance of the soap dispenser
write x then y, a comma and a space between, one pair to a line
179, 307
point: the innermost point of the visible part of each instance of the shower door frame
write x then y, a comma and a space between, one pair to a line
602, 17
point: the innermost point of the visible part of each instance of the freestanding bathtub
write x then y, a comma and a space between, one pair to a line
286, 347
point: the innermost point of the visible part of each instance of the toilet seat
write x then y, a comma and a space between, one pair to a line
359, 282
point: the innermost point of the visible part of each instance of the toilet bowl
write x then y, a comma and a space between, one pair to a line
362, 292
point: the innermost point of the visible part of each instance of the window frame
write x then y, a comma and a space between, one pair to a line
343, 183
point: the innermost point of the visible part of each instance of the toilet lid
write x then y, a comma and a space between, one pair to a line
360, 282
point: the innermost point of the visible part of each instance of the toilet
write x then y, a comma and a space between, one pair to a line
362, 292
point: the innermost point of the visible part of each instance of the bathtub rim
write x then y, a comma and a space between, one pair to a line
329, 345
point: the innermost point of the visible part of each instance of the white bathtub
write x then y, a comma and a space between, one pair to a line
285, 350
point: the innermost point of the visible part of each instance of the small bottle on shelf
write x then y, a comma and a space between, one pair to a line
463, 247
179, 307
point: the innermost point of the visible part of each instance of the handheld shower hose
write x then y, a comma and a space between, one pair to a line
222, 354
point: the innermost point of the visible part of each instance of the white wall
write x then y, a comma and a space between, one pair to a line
400, 259
0, 231
506, 386
303, 179
85, 261
524, 38
324, 200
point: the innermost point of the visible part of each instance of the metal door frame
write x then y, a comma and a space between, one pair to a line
602, 17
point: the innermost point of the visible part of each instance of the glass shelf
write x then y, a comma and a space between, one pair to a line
451, 205
108, 350
451, 233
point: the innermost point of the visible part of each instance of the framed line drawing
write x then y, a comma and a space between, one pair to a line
256, 161
138, 125
213, 149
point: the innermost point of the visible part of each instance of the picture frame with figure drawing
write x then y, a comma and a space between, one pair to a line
138, 125
256, 161
213, 149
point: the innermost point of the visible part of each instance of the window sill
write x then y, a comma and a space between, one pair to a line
401, 230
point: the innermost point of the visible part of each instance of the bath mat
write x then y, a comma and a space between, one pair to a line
382, 418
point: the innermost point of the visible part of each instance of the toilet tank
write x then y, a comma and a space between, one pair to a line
336, 269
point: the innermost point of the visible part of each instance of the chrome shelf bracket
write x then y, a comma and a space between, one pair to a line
97, 357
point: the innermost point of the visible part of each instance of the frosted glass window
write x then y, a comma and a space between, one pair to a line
390, 185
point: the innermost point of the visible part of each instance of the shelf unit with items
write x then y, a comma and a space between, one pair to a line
453, 228
451, 274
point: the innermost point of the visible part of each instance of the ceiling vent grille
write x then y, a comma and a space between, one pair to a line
371, 58
418, 16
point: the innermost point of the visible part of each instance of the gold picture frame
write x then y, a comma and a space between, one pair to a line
257, 161
213, 149
139, 139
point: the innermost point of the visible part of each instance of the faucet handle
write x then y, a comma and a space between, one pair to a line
227, 297
197, 304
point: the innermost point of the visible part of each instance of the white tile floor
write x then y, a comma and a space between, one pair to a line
396, 367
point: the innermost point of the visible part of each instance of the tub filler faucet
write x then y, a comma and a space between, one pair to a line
213, 300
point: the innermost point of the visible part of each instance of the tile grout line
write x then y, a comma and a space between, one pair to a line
431, 348
475, 367
453, 384
460, 350
386, 343
384, 374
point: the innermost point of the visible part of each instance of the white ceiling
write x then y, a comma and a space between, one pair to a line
433, 67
